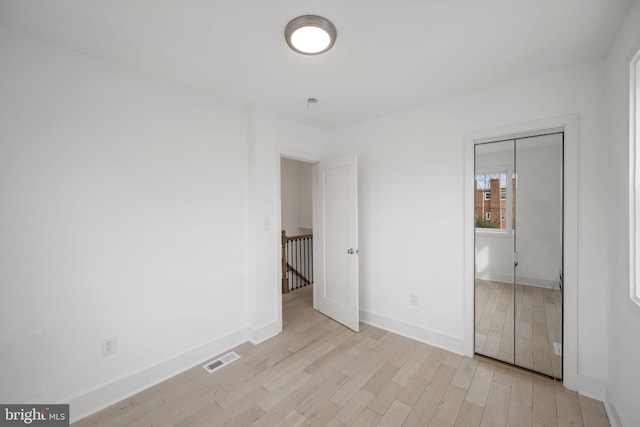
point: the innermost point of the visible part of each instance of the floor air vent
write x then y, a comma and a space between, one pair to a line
214, 365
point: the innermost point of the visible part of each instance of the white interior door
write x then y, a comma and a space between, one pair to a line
336, 240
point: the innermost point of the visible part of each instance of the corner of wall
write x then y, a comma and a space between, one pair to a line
589, 386
263, 333
612, 412
418, 333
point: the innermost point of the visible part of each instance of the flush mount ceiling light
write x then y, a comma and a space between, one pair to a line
310, 34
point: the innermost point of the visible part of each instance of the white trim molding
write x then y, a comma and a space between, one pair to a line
261, 334
573, 380
634, 177
416, 332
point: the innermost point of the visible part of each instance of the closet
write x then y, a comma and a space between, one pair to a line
518, 213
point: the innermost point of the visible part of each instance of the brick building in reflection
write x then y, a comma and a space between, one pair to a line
491, 203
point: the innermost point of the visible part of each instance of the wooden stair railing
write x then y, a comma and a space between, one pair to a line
297, 261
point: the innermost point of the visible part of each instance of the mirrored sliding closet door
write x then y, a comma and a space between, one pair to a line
518, 248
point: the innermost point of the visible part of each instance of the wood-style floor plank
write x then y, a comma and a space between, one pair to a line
319, 373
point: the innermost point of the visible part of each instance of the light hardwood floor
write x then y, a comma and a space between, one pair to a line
317, 372
537, 321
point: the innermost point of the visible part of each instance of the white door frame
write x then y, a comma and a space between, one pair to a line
569, 124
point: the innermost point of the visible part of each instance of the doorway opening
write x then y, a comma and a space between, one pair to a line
519, 251
296, 207
334, 232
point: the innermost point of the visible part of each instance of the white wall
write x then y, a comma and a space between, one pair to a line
123, 212
133, 208
296, 196
305, 206
623, 315
411, 207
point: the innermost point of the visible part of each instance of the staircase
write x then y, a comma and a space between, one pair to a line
297, 261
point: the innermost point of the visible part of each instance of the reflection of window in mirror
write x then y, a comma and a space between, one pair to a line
634, 174
489, 208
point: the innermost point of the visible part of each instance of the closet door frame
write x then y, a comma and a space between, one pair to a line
568, 124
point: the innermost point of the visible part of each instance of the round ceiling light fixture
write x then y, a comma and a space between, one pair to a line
310, 34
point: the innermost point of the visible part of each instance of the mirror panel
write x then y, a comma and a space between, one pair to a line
494, 303
538, 244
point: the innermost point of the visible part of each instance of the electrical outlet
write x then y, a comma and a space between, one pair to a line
108, 346
413, 299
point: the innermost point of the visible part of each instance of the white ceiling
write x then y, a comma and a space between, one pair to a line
389, 55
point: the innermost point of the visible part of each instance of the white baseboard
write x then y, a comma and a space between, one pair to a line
522, 280
495, 277
612, 414
590, 387
258, 335
105, 395
400, 327
615, 418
